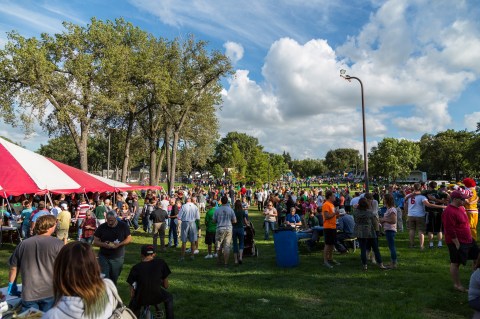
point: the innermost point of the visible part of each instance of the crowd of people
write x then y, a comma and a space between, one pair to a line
342, 216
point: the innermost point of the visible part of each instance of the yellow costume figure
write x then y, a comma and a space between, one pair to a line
471, 206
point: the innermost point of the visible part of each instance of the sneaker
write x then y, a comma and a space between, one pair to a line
431, 245
208, 256
215, 255
188, 250
440, 245
327, 264
196, 252
336, 263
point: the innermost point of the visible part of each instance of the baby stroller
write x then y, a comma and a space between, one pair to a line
250, 249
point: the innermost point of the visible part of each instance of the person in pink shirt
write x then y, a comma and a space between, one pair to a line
389, 223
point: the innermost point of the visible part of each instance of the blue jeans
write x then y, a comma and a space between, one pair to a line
88, 240
135, 220
369, 243
25, 231
238, 239
147, 224
111, 267
390, 235
269, 226
79, 229
41, 304
172, 233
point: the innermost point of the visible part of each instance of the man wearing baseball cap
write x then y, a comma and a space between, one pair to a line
461, 245
148, 283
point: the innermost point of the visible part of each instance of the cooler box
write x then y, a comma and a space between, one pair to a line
286, 247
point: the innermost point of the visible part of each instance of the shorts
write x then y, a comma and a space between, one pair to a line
464, 253
434, 222
224, 238
210, 238
62, 234
416, 223
329, 235
201, 206
188, 231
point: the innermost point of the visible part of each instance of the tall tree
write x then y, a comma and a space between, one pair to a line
248, 145
195, 85
308, 167
394, 158
67, 81
446, 154
343, 159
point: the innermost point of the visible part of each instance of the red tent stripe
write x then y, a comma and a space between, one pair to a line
15, 179
88, 182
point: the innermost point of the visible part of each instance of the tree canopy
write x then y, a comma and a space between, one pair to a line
394, 158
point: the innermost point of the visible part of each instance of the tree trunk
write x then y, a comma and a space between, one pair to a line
82, 149
126, 159
153, 162
162, 156
169, 163
171, 173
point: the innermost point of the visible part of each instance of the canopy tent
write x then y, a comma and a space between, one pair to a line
25, 172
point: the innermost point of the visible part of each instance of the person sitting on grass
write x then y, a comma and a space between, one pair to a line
148, 282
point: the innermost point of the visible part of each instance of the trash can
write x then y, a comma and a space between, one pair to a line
286, 247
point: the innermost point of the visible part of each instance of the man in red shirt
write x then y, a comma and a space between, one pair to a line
458, 237
329, 228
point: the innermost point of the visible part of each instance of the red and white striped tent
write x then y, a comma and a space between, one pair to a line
26, 172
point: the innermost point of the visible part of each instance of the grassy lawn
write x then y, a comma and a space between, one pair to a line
419, 288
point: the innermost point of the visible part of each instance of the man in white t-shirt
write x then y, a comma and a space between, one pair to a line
415, 203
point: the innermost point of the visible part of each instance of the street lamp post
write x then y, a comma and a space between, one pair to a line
365, 156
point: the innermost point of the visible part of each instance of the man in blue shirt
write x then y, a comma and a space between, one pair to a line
292, 219
345, 227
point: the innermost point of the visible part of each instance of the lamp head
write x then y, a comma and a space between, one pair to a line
345, 76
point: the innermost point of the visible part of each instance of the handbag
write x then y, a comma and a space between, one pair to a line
121, 311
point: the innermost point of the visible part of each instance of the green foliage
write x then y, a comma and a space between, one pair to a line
63, 149
394, 158
342, 160
217, 171
449, 153
246, 144
308, 167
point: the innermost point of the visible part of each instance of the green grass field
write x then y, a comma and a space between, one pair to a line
419, 288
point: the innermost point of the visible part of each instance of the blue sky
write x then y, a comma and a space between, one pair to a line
418, 60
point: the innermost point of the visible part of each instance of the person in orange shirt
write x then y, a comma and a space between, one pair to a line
329, 214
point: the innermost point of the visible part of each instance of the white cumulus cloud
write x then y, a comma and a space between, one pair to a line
234, 51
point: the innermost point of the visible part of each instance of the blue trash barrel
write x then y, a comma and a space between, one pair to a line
286, 247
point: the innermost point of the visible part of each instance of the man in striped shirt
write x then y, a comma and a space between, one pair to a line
81, 214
